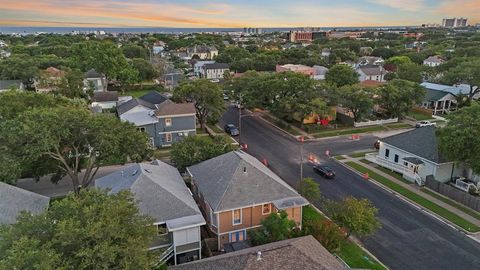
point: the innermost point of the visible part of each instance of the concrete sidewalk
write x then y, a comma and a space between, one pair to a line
416, 189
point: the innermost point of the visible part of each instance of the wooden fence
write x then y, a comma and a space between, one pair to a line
454, 194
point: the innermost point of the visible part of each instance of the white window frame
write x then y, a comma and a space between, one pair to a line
269, 209
168, 122
233, 216
142, 129
168, 137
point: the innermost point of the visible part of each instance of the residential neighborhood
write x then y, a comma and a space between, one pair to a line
226, 147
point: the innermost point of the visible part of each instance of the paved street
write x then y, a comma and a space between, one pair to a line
409, 238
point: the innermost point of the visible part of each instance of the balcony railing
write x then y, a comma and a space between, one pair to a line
162, 240
407, 172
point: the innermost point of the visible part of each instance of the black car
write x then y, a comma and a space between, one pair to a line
324, 171
231, 129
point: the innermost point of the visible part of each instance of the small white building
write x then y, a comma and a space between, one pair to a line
105, 100
415, 155
95, 80
198, 67
371, 73
161, 193
433, 61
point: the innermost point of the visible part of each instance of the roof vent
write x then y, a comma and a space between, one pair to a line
245, 169
134, 172
259, 255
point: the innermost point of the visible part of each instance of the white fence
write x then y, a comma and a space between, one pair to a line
375, 122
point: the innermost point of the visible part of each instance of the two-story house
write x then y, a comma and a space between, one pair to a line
371, 73
161, 193
165, 121
202, 52
215, 71
236, 192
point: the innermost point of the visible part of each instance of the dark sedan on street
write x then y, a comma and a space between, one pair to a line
324, 171
231, 129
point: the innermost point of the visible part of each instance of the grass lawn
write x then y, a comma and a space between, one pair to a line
201, 131
419, 116
331, 133
453, 203
365, 161
360, 154
393, 174
417, 198
339, 157
281, 124
162, 153
216, 129
350, 252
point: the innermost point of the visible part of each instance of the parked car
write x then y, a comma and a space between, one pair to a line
324, 171
424, 124
231, 129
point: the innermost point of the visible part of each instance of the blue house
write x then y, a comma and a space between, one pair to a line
165, 121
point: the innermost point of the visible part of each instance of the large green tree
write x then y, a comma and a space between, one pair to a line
341, 75
195, 149
207, 97
460, 138
357, 99
467, 72
72, 85
398, 96
357, 216
66, 141
276, 227
309, 189
18, 67
91, 230
410, 72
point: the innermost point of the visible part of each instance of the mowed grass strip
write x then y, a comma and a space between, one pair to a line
452, 217
349, 252
453, 203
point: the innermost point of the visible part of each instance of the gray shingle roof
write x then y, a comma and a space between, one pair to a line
303, 253
421, 142
160, 191
171, 108
105, 96
127, 106
236, 179
92, 73
372, 70
13, 200
153, 97
216, 66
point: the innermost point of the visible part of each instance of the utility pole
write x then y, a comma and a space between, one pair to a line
302, 139
240, 119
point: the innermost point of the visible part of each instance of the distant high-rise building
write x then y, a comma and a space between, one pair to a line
249, 30
454, 22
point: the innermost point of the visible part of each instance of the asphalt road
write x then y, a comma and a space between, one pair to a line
409, 238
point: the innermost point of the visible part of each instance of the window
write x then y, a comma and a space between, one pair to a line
141, 129
237, 216
168, 122
168, 137
396, 158
405, 163
387, 153
266, 209
213, 218
162, 229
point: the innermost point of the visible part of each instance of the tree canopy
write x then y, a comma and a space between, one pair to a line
341, 75
460, 138
398, 96
207, 97
91, 230
66, 140
357, 99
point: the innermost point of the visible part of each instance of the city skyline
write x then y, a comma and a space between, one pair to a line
232, 14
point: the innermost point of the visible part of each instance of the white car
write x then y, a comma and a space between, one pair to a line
424, 124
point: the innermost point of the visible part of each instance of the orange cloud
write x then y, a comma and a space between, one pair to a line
131, 13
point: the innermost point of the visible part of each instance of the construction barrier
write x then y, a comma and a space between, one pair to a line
355, 137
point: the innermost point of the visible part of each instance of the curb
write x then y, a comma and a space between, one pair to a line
281, 129
414, 204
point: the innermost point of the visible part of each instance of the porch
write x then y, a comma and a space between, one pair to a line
409, 169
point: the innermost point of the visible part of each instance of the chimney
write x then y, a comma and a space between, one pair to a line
259, 255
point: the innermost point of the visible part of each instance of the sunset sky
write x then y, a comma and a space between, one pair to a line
232, 13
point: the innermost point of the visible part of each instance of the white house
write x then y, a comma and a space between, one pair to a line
440, 102
215, 71
415, 154
433, 61
203, 52
95, 80
161, 193
3, 44
105, 100
371, 73
198, 67
456, 90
